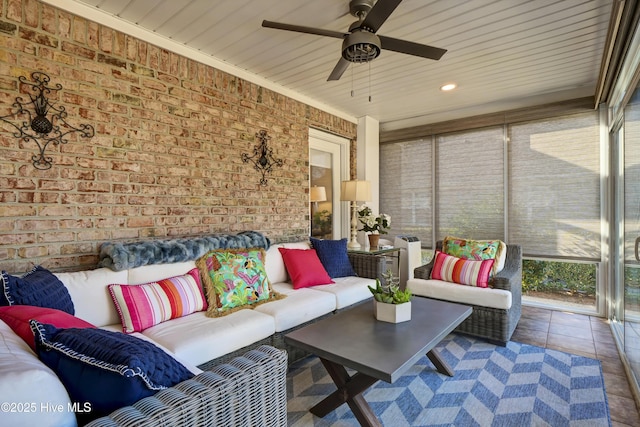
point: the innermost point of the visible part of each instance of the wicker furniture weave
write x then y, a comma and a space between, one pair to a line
495, 325
248, 391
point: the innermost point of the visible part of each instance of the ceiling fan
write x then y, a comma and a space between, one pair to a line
361, 44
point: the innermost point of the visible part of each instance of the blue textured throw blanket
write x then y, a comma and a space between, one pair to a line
122, 256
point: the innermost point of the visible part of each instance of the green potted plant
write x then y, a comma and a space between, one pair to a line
390, 303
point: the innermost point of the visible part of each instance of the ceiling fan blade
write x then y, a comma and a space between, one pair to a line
339, 69
306, 30
379, 13
411, 48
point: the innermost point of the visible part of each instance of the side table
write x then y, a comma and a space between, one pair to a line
381, 253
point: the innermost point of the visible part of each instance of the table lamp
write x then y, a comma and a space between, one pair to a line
355, 191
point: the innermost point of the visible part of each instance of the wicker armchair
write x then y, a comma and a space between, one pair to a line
248, 391
495, 325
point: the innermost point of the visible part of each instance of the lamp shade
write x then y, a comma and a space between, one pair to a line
355, 191
317, 194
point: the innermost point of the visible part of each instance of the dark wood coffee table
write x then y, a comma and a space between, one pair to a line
376, 350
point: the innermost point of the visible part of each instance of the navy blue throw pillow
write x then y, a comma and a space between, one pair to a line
39, 288
333, 256
105, 370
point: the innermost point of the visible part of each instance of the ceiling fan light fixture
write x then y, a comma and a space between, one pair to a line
361, 46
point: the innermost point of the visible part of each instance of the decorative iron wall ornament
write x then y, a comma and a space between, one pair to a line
262, 159
39, 128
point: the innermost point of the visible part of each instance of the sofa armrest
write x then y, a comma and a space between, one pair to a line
424, 271
249, 390
370, 267
510, 278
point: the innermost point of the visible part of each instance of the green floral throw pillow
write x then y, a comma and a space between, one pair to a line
475, 249
235, 279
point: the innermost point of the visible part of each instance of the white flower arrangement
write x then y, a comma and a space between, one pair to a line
371, 223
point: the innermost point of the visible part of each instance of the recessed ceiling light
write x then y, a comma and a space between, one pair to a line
448, 87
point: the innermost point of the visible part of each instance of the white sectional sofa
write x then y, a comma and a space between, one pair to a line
195, 340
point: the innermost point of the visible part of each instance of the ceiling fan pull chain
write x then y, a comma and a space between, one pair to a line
369, 81
352, 91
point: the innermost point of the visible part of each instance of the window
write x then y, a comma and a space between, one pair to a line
405, 188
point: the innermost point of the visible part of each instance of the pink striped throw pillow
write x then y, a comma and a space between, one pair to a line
462, 271
143, 306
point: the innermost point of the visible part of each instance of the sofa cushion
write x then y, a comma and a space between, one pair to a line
235, 279
142, 306
18, 316
333, 256
39, 288
26, 380
197, 338
274, 265
155, 272
300, 306
126, 368
90, 295
470, 295
462, 271
348, 290
304, 267
477, 250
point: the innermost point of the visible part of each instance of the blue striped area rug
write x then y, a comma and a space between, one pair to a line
516, 385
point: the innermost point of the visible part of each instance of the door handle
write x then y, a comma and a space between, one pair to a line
636, 248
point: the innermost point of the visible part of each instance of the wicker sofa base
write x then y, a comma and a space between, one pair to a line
492, 324
248, 391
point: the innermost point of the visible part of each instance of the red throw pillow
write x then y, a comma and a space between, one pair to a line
18, 316
304, 267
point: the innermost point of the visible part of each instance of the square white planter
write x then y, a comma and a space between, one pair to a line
392, 313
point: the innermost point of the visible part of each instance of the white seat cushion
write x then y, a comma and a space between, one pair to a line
453, 292
198, 339
348, 290
152, 273
190, 366
35, 395
90, 295
300, 306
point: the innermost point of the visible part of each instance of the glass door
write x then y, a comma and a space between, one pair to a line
321, 193
328, 167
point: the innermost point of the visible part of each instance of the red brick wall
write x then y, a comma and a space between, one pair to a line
165, 159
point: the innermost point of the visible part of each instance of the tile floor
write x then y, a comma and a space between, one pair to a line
587, 336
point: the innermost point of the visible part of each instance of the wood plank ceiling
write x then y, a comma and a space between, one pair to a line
502, 54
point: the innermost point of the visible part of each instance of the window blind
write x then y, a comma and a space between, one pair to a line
470, 184
554, 186
406, 188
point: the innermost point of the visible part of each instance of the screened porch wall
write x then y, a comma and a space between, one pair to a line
534, 183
